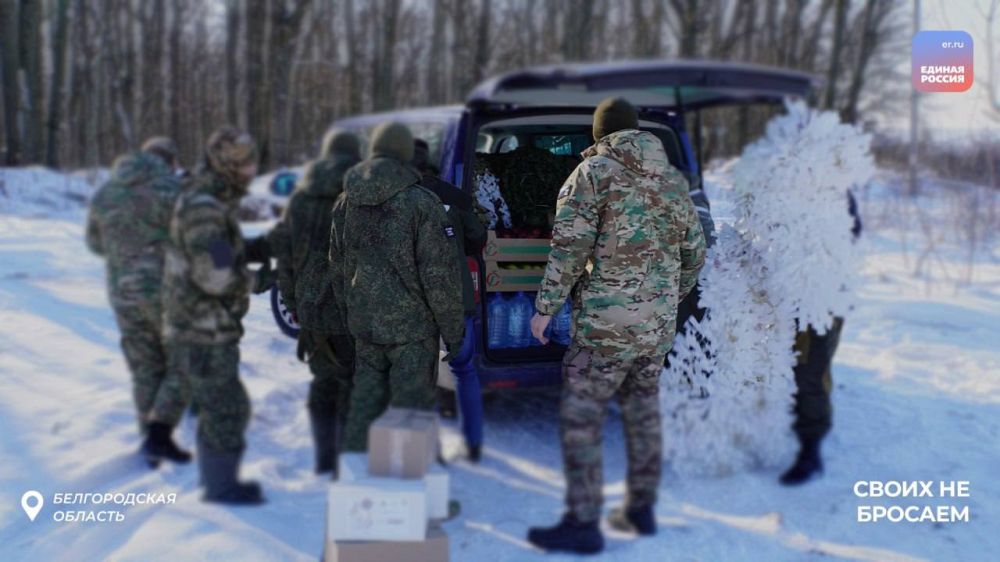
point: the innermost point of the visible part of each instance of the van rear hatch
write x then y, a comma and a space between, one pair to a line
680, 85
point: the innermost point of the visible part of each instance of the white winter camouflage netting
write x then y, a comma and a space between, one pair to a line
788, 257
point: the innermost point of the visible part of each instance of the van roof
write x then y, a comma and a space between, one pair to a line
675, 84
443, 113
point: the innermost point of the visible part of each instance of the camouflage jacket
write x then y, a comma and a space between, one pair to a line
304, 246
392, 257
206, 283
463, 213
129, 223
628, 242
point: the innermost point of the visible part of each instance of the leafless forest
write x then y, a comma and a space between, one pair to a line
84, 80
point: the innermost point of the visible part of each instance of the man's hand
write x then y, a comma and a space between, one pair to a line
539, 323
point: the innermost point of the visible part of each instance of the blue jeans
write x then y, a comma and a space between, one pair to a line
470, 398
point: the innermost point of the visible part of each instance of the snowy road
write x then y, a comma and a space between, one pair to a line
917, 398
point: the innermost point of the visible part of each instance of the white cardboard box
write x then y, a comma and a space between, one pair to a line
377, 509
438, 492
352, 467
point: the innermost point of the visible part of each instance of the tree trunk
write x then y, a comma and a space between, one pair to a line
838, 45
257, 91
482, 42
385, 62
10, 53
151, 113
232, 67
174, 105
56, 85
285, 26
30, 44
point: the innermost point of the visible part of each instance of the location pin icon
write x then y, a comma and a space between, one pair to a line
29, 497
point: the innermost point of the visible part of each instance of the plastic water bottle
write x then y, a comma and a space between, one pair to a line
562, 324
497, 311
517, 321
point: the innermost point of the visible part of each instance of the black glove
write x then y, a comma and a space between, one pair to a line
264, 278
258, 250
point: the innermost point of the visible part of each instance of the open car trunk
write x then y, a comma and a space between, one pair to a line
520, 164
531, 126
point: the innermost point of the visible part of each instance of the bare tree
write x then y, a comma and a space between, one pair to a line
231, 66
56, 83
286, 21
30, 44
840, 21
10, 61
257, 92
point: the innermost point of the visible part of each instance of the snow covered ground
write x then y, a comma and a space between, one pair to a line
917, 397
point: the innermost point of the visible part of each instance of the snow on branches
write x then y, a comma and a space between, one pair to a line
788, 260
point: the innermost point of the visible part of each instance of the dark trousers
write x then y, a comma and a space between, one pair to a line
813, 382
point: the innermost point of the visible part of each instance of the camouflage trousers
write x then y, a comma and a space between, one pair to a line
160, 393
813, 382
590, 381
401, 376
330, 390
216, 389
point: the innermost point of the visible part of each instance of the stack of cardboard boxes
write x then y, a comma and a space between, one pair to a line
386, 505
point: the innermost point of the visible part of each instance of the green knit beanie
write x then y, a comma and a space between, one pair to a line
393, 140
613, 115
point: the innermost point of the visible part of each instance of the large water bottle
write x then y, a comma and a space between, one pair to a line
517, 321
562, 324
497, 310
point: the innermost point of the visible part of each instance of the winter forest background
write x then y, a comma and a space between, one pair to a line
84, 80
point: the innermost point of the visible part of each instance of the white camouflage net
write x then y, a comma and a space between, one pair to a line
789, 256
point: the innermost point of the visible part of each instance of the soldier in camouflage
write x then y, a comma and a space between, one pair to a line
128, 224
206, 294
628, 244
303, 263
396, 279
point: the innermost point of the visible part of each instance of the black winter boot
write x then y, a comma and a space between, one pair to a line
159, 446
324, 432
807, 465
570, 535
639, 520
219, 470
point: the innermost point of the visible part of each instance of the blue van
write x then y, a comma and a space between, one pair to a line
550, 108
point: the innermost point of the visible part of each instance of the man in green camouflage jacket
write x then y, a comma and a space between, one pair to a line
628, 244
303, 264
128, 224
206, 294
394, 272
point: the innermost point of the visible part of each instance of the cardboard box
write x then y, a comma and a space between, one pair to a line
516, 249
438, 491
377, 509
433, 549
352, 467
402, 443
500, 280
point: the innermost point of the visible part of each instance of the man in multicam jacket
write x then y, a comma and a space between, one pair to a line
303, 264
628, 244
206, 294
396, 278
128, 224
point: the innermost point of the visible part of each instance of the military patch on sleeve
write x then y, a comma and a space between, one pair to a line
449, 231
222, 254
